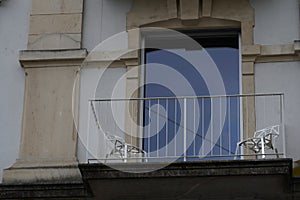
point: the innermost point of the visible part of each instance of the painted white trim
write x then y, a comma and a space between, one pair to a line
241, 92
142, 90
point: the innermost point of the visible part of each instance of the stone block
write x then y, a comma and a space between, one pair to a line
54, 41
65, 23
248, 68
172, 8
206, 8
271, 50
189, 9
56, 6
250, 50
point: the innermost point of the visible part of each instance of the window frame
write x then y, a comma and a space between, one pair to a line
191, 33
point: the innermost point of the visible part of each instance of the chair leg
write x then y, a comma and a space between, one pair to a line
276, 151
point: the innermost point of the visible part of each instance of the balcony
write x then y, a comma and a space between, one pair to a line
208, 147
181, 129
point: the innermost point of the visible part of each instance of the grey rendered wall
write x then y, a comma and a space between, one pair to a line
276, 21
91, 139
14, 26
283, 77
102, 19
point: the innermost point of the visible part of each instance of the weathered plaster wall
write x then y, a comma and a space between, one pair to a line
283, 77
276, 21
14, 27
102, 19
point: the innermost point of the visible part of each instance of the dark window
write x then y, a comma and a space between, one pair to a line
164, 132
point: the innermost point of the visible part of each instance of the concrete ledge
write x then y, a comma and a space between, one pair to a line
42, 172
186, 169
31, 55
235, 179
272, 50
271, 53
52, 58
53, 191
42, 175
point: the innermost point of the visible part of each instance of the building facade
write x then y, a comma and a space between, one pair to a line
77, 57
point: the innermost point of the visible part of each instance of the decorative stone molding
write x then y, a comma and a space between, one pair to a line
51, 58
271, 53
144, 12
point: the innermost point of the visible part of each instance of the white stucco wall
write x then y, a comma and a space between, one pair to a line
283, 77
102, 19
91, 143
14, 26
276, 21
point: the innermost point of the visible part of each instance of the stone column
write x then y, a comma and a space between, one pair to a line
249, 54
132, 107
49, 138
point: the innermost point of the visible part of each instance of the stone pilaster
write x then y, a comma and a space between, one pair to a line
49, 137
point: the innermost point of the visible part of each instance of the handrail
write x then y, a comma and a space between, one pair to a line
188, 97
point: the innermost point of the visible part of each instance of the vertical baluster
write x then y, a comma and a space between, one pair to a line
282, 124
202, 127
184, 129
167, 125
221, 135
157, 130
130, 120
247, 122
229, 124
175, 126
194, 134
211, 125
149, 127
88, 131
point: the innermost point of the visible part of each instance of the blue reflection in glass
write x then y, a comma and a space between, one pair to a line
163, 119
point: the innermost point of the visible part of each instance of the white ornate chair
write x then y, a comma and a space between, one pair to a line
122, 149
262, 140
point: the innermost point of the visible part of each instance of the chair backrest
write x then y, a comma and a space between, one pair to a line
115, 141
272, 130
269, 135
114, 138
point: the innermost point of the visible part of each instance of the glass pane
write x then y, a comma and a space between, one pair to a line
168, 74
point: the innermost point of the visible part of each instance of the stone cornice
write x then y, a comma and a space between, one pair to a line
112, 58
271, 53
52, 58
75, 57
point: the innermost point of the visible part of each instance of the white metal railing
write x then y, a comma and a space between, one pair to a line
171, 129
